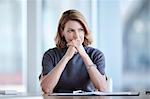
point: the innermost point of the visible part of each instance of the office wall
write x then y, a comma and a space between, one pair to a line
110, 39
31, 28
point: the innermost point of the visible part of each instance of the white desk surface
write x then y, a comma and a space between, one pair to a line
45, 96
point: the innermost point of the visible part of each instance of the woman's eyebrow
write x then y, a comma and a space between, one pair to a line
74, 29
71, 28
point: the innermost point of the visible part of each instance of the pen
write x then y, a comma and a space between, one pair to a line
78, 91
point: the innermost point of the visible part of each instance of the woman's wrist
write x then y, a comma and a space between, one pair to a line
83, 54
67, 57
88, 67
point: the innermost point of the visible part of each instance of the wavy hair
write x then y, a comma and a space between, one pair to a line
75, 16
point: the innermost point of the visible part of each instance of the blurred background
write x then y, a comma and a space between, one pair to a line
121, 30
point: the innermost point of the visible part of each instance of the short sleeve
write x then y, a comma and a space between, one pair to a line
47, 62
99, 61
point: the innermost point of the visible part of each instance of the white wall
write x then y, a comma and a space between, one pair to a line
34, 54
110, 39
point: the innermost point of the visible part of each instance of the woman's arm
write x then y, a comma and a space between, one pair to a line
96, 77
49, 81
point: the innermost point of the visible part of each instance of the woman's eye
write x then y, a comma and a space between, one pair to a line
70, 31
81, 30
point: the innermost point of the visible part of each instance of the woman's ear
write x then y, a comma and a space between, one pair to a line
62, 34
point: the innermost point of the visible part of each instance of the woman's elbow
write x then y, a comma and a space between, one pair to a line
45, 88
102, 87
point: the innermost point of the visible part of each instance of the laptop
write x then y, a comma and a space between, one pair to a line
97, 93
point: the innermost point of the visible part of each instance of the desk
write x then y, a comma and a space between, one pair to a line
97, 97
45, 96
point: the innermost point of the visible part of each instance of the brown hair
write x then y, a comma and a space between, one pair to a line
72, 15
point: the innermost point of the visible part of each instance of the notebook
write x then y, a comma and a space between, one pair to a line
97, 93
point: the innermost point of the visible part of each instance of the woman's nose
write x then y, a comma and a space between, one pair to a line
76, 35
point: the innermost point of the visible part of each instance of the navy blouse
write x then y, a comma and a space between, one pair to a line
75, 75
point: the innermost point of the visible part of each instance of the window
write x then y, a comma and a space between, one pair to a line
137, 48
12, 41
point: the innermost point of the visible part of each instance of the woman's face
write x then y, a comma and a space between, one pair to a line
73, 30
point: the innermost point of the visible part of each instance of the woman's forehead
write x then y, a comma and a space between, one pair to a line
73, 24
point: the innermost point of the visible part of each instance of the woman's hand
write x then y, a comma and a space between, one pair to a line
78, 45
70, 51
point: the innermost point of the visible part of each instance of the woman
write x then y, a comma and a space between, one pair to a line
73, 65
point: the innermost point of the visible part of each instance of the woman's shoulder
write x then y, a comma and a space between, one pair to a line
95, 53
51, 50
54, 50
92, 49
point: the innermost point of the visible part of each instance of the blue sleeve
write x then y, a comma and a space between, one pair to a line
99, 61
47, 62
